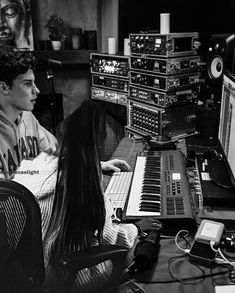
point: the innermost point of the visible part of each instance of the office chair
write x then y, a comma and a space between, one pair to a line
90, 257
21, 252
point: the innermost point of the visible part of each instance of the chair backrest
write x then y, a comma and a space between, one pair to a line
21, 252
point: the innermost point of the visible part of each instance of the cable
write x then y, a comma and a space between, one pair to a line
222, 255
231, 275
176, 243
212, 243
204, 276
224, 259
188, 280
184, 280
229, 256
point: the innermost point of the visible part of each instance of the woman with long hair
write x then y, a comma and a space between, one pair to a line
77, 215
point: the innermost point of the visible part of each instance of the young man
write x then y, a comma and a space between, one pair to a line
21, 135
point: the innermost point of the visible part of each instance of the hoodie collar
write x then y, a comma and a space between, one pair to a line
7, 120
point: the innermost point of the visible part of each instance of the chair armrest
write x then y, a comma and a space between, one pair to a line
93, 256
74, 262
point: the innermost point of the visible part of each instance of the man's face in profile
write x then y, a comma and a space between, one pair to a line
12, 21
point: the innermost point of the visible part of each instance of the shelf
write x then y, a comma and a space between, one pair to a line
65, 56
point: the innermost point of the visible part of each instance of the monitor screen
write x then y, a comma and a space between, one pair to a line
226, 134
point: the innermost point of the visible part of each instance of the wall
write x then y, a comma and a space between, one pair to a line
185, 16
109, 22
77, 13
73, 81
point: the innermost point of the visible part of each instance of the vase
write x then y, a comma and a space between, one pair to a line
56, 45
76, 37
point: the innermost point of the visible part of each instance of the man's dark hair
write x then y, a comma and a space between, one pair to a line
14, 62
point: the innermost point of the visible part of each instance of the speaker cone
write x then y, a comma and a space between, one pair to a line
215, 67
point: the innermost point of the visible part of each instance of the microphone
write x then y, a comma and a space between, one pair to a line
146, 252
50, 62
54, 62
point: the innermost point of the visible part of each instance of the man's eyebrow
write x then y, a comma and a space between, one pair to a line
27, 79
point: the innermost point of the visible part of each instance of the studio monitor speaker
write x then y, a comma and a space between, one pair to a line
221, 56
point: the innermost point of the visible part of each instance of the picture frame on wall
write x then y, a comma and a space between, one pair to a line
16, 24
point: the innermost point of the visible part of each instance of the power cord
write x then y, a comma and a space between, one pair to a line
222, 258
219, 280
195, 280
174, 279
186, 250
224, 261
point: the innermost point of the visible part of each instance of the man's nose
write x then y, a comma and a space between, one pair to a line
36, 90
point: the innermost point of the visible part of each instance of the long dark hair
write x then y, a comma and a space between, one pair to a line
78, 210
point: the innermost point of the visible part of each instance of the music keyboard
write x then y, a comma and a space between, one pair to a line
160, 188
117, 189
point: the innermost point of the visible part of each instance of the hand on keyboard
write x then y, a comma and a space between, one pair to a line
118, 187
148, 224
115, 165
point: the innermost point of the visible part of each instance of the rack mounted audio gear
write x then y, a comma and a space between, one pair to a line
165, 66
164, 83
164, 45
163, 99
171, 122
113, 65
109, 96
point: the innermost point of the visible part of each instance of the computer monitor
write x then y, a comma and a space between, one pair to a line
222, 170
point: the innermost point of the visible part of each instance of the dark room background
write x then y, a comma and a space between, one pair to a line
119, 18
203, 16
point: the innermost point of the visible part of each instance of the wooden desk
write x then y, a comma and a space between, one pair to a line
158, 279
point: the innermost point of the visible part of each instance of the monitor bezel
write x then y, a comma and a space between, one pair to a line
230, 77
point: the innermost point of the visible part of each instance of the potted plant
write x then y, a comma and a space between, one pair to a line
57, 31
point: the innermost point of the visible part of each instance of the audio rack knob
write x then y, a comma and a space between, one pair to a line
196, 44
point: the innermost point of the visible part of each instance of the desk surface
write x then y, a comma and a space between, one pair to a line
159, 278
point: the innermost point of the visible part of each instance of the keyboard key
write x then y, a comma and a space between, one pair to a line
118, 187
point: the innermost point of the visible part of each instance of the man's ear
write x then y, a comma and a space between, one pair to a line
4, 87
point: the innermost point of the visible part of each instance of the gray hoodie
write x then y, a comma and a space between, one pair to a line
23, 139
